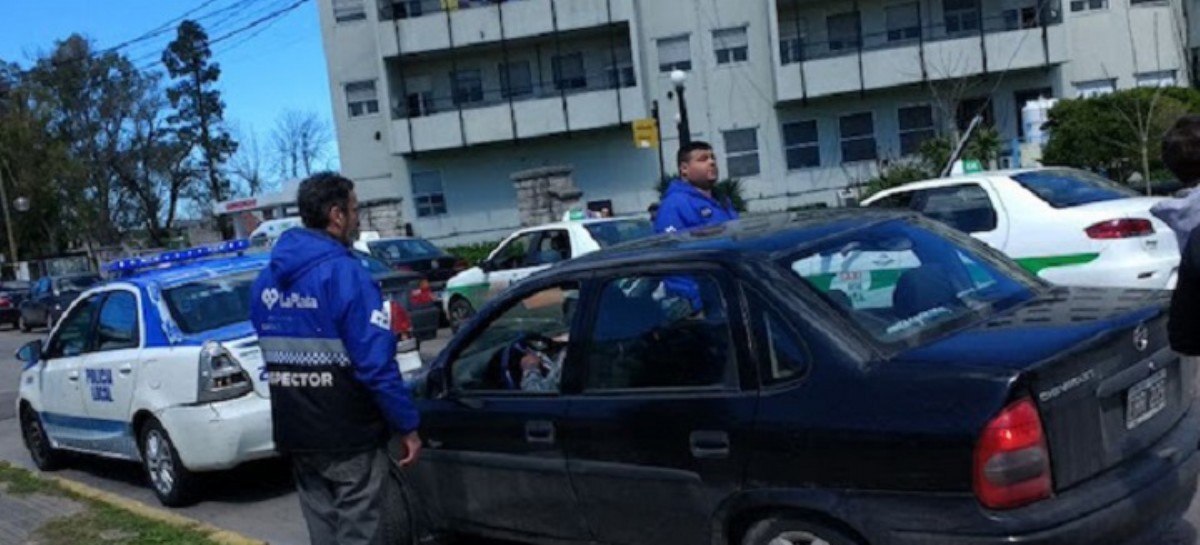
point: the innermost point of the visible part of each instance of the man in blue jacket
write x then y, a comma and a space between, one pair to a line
336, 391
689, 201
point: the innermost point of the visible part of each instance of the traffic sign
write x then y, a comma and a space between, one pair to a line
645, 133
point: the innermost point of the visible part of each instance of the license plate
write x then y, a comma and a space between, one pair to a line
1146, 399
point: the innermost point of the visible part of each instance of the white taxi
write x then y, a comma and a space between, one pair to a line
530, 250
1067, 226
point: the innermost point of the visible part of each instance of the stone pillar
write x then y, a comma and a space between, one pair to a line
545, 194
386, 217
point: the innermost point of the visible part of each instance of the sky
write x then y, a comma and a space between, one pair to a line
265, 70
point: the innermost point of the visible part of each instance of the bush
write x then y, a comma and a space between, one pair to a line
473, 253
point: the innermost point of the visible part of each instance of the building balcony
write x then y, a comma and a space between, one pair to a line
481, 116
914, 55
409, 27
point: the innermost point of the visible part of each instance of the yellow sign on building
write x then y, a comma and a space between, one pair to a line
645, 133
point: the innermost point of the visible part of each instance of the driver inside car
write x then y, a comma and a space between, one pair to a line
541, 363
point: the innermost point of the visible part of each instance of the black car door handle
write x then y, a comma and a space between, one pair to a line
539, 431
707, 445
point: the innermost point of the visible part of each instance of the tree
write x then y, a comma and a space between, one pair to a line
247, 165
984, 146
299, 141
1116, 134
199, 111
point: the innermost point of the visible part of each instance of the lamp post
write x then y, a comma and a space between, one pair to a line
679, 77
12, 239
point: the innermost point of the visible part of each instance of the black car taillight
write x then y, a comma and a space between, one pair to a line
1012, 463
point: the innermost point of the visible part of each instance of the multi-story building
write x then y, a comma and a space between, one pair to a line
437, 102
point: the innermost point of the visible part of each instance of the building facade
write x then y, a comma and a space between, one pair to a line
437, 102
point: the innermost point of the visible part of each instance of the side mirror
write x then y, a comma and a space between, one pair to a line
31, 353
487, 265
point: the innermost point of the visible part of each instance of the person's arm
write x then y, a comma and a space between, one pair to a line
367, 335
1183, 327
670, 217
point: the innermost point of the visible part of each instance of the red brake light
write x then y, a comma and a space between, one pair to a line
1012, 463
421, 295
401, 323
1122, 228
461, 265
5, 302
404, 268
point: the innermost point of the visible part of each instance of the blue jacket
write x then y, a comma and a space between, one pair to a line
684, 207
329, 349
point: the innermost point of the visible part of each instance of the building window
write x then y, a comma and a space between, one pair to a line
801, 145
568, 72
349, 10
1092, 89
1161, 78
419, 104
970, 107
791, 44
1088, 5
858, 137
428, 194
731, 45
1022, 17
916, 128
845, 31
516, 79
741, 152
961, 16
620, 75
466, 86
362, 98
904, 22
675, 54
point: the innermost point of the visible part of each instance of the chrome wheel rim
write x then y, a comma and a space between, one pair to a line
34, 437
797, 538
159, 463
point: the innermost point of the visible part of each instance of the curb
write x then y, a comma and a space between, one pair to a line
219, 535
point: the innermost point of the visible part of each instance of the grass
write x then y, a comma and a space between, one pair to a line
99, 523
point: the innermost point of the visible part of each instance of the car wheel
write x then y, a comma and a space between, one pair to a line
461, 312
171, 481
23, 324
45, 456
785, 531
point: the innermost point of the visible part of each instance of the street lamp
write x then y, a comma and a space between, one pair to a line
21, 204
679, 77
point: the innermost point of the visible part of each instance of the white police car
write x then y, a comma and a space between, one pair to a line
159, 366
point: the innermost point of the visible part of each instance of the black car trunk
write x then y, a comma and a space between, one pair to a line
398, 287
1113, 395
437, 270
1097, 364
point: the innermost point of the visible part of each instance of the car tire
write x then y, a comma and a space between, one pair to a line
461, 312
790, 531
23, 324
44, 455
171, 481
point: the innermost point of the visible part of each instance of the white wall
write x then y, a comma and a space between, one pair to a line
1122, 41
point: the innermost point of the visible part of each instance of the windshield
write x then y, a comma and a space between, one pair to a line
903, 282
77, 283
1067, 188
611, 233
374, 266
212, 303
403, 249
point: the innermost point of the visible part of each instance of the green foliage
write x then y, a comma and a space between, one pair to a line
1110, 133
984, 147
473, 253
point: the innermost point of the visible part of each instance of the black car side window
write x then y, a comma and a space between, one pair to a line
660, 332
782, 356
964, 207
522, 348
117, 328
74, 334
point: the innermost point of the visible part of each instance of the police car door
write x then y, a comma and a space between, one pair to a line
110, 373
61, 376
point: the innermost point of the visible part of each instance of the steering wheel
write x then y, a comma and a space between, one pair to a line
525, 343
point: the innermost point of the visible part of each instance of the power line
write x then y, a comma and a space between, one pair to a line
244, 28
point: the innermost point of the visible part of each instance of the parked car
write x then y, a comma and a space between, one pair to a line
719, 386
409, 290
530, 250
160, 366
418, 255
1067, 226
12, 294
50, 296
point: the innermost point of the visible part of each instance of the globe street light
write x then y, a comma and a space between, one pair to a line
21, 204
679, 77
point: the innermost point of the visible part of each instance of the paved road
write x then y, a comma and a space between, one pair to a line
257, 500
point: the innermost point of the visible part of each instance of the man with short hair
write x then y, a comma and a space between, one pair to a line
336, 390
689, 201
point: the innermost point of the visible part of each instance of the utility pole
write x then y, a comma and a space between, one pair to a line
12, 241
678, 77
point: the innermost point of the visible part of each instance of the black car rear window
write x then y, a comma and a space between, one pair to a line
403, 249
1067, 188
611, 233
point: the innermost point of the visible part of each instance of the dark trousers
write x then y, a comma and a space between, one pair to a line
342, 496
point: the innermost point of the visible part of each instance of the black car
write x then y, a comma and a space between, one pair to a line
50, 296
842, 377
12, 294
418, 255
409, 289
